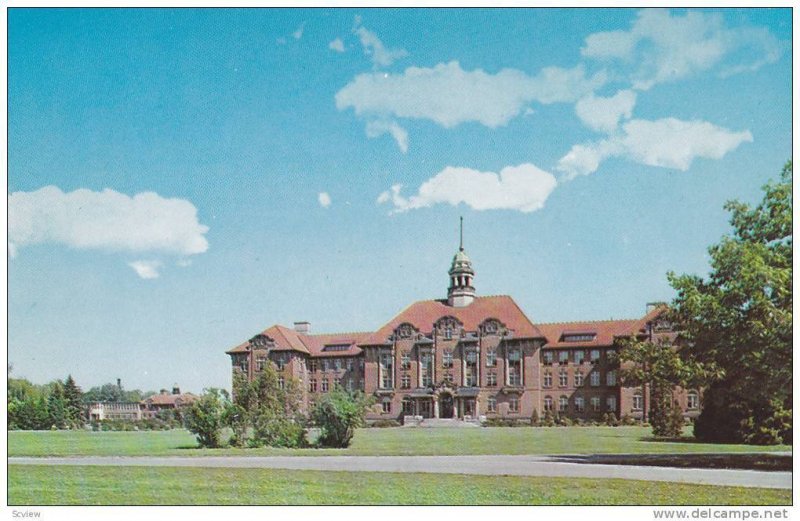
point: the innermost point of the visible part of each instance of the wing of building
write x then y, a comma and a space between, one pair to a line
465, 357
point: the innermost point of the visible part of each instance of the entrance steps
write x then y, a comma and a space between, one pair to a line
448, 423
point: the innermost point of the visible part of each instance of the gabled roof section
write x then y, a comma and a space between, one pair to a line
285, 340
423, 314
335, 344
170, 399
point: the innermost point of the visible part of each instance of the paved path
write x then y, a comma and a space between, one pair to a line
494, 465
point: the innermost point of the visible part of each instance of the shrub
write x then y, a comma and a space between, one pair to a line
337, 415
380, 424
535, 418
548, 420
205, 417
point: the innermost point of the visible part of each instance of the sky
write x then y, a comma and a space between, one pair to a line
181, 179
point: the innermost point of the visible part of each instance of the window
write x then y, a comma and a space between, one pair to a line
349, 385
611, 378
491, 405
426, 369
338, 364
312, 386
324, 385
312, 366
447, 359
280, 361
611, 403
563, 357
448, 377
579, 404
471, 370
337, 383
405, 360
548, 379
580, 337
563, 403
595, 356
405, 381
638, 401
491, 358
336, 347
448, 333
491, 379
386, 405
578, 356
386, 370
349, 364
578, 379
361, 363
562, 378
261, 360
594, 378
692, 400
547, 357
595, 403
514, 368
281, 383
513, 404
548, 403
325, 365
408, 407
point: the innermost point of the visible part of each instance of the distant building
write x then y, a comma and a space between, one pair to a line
100, 411
165, 400
466, 357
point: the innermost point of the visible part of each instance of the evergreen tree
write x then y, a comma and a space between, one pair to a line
73, 402
57, 407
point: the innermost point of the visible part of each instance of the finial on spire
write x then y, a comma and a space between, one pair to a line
461, 235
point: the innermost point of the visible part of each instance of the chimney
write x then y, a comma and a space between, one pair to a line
163, 392
302, 327
176, 389
119, 384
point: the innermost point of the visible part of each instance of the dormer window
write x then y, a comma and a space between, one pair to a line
578, 337
336, 347
448, 333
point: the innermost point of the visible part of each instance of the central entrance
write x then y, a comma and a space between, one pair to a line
446, 406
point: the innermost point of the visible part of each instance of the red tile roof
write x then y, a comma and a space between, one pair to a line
287, 339
604, 332
425, 313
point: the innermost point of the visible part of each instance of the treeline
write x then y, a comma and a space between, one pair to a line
58, 404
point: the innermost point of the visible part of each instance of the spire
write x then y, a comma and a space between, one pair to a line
461, 235
461, 293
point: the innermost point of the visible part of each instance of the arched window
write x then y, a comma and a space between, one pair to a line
548, 403
692, 400
579, 404
563, 403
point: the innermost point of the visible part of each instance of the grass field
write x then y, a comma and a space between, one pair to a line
393, 441
35, 485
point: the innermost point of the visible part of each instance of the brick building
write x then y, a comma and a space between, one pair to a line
466, 357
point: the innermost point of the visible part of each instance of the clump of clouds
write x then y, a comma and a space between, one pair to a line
603, 114
324, 199
380, 55
146, 269
524, 188
336, 45
661, 47
106, 220
379, 127
668, 143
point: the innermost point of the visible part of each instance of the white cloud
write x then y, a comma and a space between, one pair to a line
106, 220
449, 95
379, 127
603, 114
146, 269
661, 47
324, 199
373, 47
298, 33
668, 143
524, 188
336, 45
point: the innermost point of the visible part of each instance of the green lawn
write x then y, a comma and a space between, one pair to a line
393, 441
41, 485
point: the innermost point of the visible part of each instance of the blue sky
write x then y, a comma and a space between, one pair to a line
181, 179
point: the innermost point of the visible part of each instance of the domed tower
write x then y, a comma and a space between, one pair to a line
461, 293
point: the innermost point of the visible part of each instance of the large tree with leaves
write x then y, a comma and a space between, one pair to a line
737, 323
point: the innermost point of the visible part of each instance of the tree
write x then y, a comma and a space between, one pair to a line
658, 366
73, 401
267, 411
205, 417
337, 415
737, 322
57, 407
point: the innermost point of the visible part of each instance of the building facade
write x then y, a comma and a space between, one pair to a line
466, 357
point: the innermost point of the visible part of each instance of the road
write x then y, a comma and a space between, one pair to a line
493, 465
